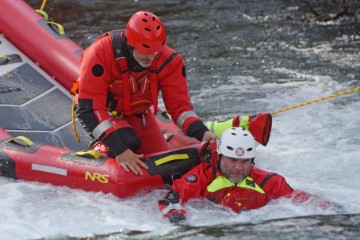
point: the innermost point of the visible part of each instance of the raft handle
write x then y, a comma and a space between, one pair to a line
56, 27
22, 141
88, 154
168, 136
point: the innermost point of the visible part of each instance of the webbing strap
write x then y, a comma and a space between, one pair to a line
73, 122
88, 154
117, 44
153, 85
173, 157
266, 179
5, 57
60, 28
21, 140
117, 37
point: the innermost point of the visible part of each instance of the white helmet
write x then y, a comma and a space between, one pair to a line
237, 143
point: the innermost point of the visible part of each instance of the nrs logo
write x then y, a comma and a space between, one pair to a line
96, 177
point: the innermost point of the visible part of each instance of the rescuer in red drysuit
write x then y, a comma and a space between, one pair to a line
118, 115
230, 179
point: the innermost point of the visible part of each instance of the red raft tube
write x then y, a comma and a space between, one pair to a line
40, 40
20, 158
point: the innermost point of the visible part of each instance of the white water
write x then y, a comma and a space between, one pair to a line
315, 147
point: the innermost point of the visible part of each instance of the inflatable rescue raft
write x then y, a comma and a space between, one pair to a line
38, 64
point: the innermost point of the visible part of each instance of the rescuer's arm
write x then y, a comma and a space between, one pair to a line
188, 186
259, 125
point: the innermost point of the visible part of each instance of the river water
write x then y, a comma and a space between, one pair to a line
242, 57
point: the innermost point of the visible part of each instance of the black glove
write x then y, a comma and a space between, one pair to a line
175, 215
173, 211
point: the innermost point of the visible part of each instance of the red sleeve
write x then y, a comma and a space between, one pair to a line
192, 184
95, 75
96, 71
276, 186
173, 85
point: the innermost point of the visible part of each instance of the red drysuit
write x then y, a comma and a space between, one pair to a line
253, 192
106, 65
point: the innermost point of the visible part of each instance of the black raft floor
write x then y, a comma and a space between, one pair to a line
32, 106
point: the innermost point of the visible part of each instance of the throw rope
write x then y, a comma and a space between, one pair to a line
316, 100
43, 5
73, 121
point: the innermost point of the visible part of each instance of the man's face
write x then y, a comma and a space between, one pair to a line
143, 59
235, 169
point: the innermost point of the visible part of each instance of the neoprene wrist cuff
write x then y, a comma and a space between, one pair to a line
115, 144
197, 130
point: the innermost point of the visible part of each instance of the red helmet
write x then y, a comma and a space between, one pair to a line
146, 32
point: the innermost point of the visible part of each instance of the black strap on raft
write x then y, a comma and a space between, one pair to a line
172, 165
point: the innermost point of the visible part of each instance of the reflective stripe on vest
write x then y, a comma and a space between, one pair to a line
222, 182
184, 116
101, 128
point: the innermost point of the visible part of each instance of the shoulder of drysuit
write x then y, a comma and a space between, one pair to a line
259, 175
201, 174
206, 168
272, 183
168, 61
101, 50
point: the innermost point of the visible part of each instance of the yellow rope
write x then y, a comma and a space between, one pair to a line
41, 10
43, 5
316, 100
73, 121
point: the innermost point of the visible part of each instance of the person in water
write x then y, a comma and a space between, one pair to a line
116, 94
230, 179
